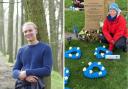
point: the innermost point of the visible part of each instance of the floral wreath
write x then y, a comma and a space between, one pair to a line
73, 53
100, 52
88, 72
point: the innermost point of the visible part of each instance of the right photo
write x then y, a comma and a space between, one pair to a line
96, 44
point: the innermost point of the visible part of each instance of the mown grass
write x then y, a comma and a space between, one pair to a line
74, 18
117, 74
57, 81
122, 4
68, 3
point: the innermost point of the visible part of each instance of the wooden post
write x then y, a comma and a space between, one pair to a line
94, 12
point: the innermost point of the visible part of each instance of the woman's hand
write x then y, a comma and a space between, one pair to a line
22, 75
32, 79
113, 42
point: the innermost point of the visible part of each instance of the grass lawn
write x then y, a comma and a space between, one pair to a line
117, 70
57, 81
74, 18
117, 74
68, 3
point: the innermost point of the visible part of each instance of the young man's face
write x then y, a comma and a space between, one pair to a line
30, 33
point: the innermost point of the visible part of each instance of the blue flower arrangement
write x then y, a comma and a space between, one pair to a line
100, 52
66, 75
73, 53
88, 72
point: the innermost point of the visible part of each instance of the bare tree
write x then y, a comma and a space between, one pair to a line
53, 33
60, 44
16, 44
2, 36
10, 31
22, 21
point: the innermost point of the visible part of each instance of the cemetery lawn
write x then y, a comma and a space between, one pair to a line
67, 3
74, 18
56, 81
117, 70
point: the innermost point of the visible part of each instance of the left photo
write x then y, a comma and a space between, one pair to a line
31, 46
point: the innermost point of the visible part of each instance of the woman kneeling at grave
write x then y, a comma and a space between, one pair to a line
114, 29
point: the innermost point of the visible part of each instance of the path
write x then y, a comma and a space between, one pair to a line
6, 80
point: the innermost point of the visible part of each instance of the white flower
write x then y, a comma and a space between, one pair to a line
70, 55
95, 48
65, 78
99, 63
104, 46
102, 54
107, 51
89, 63
84, 69
100, 73
90, 71
70, 47
102, 68
67, 71
95, 53
78, 48
77, 54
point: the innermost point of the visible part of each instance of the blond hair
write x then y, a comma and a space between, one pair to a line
29, 23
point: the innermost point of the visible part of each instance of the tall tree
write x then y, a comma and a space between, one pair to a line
62, 36
34, 11
2, 36
10, 30
16, 44
53, 33
1, 6
22, 21
37, 15
59, 33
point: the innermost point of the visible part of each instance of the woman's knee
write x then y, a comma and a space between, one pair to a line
121, 43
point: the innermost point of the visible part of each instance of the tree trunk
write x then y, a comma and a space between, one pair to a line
53, 33
34, 11
62, 36
1, 7
36, 15
10, 30
59, 29
22, 21
16, 44
2, 37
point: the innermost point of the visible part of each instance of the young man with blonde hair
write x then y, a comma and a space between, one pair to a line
33, 61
